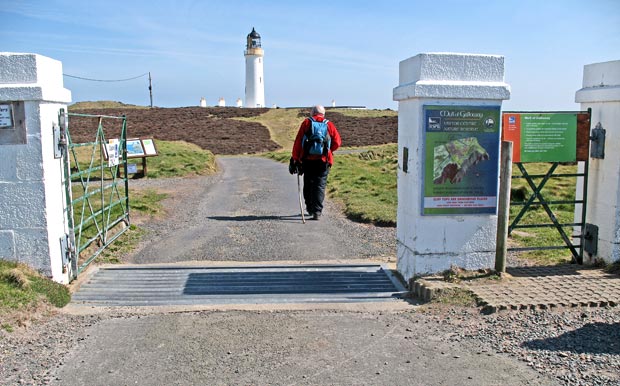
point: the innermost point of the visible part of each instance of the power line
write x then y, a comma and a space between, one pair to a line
106, 80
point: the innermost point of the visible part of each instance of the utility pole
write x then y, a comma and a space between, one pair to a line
151, 89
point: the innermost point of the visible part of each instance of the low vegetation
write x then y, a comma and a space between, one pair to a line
282, 124
23, 291
456, 296
103, 105
179, 159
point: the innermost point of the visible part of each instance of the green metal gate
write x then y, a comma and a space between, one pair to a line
534, 199
97, 191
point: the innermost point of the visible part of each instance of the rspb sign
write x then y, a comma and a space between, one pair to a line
547, 136
461, 160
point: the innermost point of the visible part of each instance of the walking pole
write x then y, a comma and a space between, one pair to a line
301, 207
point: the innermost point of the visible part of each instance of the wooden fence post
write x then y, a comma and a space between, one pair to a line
503, 207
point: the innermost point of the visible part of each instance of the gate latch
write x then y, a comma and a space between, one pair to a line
590, 239
60, 134
57, 144
597, 146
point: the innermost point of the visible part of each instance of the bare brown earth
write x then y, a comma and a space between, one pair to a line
215, 129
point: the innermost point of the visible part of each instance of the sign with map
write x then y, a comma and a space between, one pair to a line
134, 148
461, 160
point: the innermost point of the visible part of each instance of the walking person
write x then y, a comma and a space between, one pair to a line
313, 157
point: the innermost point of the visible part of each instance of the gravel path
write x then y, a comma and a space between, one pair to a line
250, 213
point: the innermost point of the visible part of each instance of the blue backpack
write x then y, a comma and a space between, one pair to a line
317, 140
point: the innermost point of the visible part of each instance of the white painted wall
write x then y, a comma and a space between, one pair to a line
254, 81
601, 93
32, 195
428, 244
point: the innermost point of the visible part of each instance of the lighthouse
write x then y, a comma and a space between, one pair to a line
254, 81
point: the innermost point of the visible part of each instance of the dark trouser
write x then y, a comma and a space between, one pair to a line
315, 180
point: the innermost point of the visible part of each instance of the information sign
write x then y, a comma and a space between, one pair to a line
149, 147
6, 119
541, 137
461, 159
112, 151
134, 148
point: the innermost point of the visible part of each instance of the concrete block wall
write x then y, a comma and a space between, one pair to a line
32, 195
429, 244
601, 93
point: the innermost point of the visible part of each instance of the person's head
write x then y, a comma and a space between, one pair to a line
318, 109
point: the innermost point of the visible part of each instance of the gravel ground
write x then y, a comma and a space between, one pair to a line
570, 347
429, 344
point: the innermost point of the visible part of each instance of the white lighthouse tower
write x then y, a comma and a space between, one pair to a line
254, 81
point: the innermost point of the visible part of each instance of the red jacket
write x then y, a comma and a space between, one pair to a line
298, 150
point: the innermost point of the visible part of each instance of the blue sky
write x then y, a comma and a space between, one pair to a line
315, 51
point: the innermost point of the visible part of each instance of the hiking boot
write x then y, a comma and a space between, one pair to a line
316, 216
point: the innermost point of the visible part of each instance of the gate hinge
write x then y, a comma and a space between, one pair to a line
597, 146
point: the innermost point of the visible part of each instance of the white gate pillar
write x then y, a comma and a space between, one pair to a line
429, 242
32, 193
601, 93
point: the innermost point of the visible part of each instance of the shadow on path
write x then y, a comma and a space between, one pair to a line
255, 218
586, 339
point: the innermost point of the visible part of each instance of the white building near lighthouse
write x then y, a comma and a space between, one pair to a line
254, 80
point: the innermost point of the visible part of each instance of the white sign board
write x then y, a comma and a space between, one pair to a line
113, 153
6, 119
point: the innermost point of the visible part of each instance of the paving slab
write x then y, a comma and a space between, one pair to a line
538, 287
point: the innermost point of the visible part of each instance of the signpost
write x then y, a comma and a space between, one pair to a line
461, 159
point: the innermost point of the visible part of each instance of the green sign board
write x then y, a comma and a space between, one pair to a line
541, 137
461, 159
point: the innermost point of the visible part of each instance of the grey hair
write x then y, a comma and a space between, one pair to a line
318, 109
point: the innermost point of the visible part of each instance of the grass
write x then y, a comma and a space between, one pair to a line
22, 289
179, 159
613, 268
282, 125
455, 297
124, 244
365, 113
175, 159
556, 189
145, 205
103, 105
142, 203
